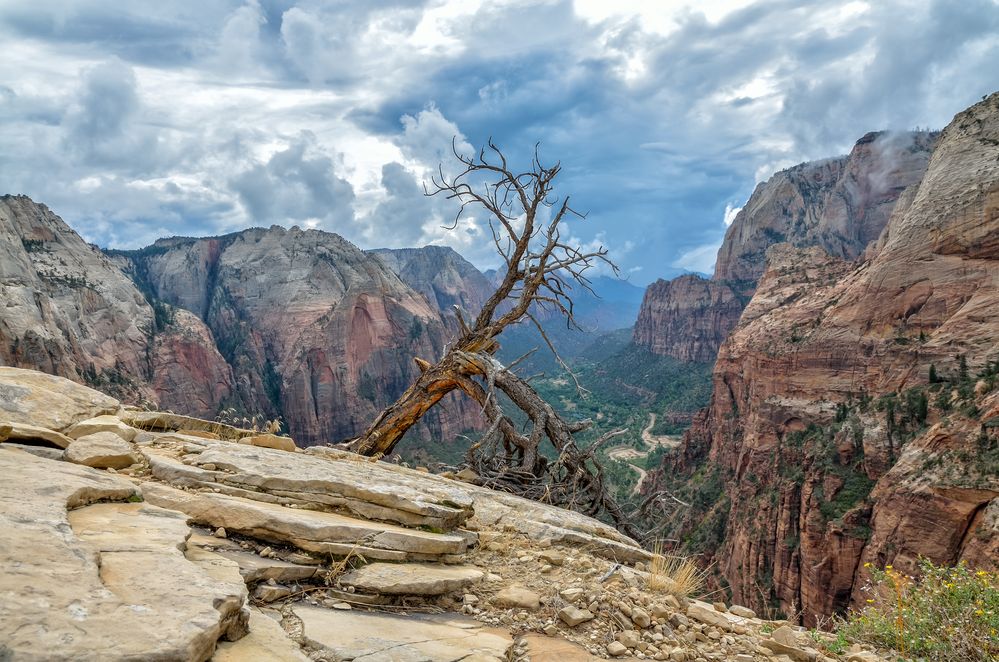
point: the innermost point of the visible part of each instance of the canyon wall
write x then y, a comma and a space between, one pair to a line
839, 204
854, 409
290, 323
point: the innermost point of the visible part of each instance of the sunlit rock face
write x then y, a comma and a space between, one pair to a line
827, 456
840, 205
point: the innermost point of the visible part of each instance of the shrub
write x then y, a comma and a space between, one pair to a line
947, 615
674, 574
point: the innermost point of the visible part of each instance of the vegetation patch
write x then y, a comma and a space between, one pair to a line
944, 615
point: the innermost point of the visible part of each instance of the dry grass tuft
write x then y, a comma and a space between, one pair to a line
674, 574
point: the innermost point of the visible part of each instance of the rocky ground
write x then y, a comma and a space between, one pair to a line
145, 535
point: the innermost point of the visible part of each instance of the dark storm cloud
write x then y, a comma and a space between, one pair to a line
297, 184
134, 119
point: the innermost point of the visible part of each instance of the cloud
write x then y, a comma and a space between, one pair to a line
298, 183
191, 117
700, 258
730, 213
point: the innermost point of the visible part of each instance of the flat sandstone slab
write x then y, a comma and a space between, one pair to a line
34, 398
372, 637
104, 582
412, 578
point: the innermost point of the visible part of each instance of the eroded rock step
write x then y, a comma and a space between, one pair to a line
370, 490
412, 578
312, 531
375, 637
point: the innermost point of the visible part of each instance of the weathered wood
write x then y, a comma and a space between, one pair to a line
541, 270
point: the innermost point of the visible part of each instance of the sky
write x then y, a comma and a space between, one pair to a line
138, 120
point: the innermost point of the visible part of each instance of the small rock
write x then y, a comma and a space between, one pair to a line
270, 441
719, 606
572, 616
517, 596
616, 649
208, 466
470, 599
271, 592
678, 620
220, 532
266, 552
342, 606
744, 612
550, 630
467, 475
629, 638
553, 557
641, 617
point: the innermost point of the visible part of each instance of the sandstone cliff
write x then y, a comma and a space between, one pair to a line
687, 318
853, 412
301, 325
315, 330
839, 204
441, 275
70, 311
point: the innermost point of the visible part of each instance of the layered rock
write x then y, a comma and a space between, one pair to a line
441, 275
687, 318
840, 204
826, 444
109, 567
67, 309
71, 311
315, 330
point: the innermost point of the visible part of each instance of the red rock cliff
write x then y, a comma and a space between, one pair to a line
315, 330
825, 446
839, 204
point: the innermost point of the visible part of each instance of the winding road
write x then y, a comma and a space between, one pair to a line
651, 441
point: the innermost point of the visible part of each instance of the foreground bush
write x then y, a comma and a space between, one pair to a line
948, 614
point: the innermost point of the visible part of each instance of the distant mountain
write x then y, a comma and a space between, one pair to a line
840, 205
269, 322
855, 406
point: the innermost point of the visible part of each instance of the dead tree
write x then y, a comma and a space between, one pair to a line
542, 273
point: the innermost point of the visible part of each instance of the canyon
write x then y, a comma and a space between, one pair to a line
852, 418
840, 204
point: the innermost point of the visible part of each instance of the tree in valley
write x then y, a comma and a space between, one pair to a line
543, 270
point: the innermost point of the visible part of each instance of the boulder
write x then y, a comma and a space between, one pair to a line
33, 434
517, 597
103, 582
101, 450
270, 441
356, 635
411, 578
35, 398
105, 423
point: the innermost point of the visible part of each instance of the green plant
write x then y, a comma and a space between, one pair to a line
948, 614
